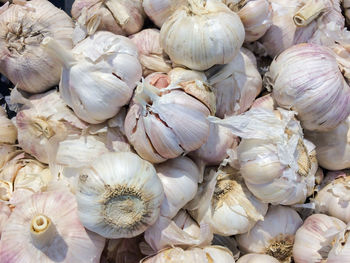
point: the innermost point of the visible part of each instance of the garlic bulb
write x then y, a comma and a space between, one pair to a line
256, 16
23, 26
46, 228
226, 204
43, 121
152, 57
201, 34
8, 131
235, 84
311, 83
208, 254
182, 231
5, 213
274, 236
257, 258
315, 238
121, 17
164, 123
277, 164
119, 195
100, 79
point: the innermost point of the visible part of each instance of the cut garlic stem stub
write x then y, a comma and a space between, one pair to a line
310, 11
42, 231
65, 56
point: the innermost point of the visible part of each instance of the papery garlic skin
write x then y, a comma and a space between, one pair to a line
64, 239
315, 238
119, 195
273, 236
213, 35
5, 213
264, 102
340, 251
257, 258
8, 131
311, 83
23, 26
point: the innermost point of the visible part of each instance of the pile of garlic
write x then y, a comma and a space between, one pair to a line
206, 131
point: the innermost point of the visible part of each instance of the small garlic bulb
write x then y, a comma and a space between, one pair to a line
152, 57
201, 34
274, 236
101, 76
226, 204
315, 238
257, 258
119, 195
46, 228
164, 123
256, 16
23, 26
235, 84
308, 79
8, 131
277, 164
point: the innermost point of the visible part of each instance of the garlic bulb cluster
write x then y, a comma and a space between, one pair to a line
101, 77
119, 195
226, 204
278, 165
165, 122
274, 236
23, 26
8, 131
201, 34
46, 228
235, 84
257, 258
308, 79
151, 55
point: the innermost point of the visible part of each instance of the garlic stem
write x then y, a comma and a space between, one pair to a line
119, 12
64, 55
93, 24
42, 231
42, 127
309, 12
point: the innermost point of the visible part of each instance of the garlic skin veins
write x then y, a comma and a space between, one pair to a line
119, 195
315, 238
257, 258
46, 228
23, 26
213, 34
274, 236
8, 131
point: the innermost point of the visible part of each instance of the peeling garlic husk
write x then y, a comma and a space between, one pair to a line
226, 204
236, 84
119, 195
151, 55
8, 131
315, 238
341, 247
311, 93
23, 26
277, 164
257, 258
5, 150
180, 231
274, 236
191, 40
46, 228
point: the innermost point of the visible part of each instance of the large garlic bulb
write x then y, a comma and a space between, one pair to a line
273, 236
235, 84
164, 123
257, 258
101, 76
8, 131
226, 204
119, 195
46, 228
23, 26
315, 238
277, 164
308, 79
201, 34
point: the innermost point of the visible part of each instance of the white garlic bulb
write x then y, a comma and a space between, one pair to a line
46, 228
101, 76
277, 164
23, 26
201, 34
274, 236
164, 123
152, 57
235, 84
226, 204
315, 238
311, 83
257, 258
119, 195
8, 131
